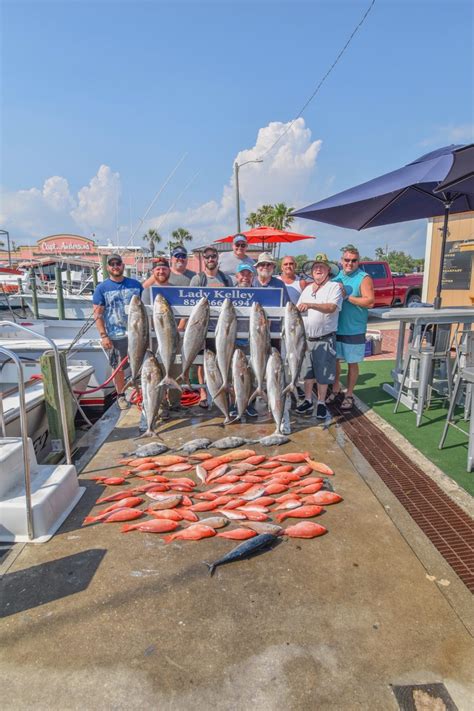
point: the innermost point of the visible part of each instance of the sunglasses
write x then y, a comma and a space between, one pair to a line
350, 261
210, 256
265, 264
240, 245
115, 264
289, 264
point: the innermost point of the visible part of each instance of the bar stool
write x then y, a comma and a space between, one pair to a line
422, 357
465, 376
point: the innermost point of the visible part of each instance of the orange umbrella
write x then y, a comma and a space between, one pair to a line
267, 235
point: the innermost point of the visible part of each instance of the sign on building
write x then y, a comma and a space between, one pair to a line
457, 267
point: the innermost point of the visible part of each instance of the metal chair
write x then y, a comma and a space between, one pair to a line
464, 376
422, 358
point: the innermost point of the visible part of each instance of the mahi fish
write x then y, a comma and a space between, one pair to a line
167, 337
226, 330
213, 380
138, 335
275, 376
195, 444
244, 550
242, 381
152, 392
194, 336
259, 338
295, 344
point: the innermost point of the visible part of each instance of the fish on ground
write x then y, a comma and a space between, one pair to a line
275, 376
294, 336
214, 521
259, 341
305, 511
241, 380
202, 456
213, 379
323, 498
232, 514
319, 467
273, 440
262, 527
170, 514
155, 525
167, 338
226, 330
129, 502
244, 550
138, 335
288, 505
292, 457
305, 529
194, 336
150, 450
152, 393
310, 489
195, 444
164, 502
201, 473
109, 480
193, 533
123, 515
229, 442
237, 534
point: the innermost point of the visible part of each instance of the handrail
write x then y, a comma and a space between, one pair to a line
24, 437
57, 362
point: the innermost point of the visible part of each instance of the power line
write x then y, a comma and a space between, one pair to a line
300, 112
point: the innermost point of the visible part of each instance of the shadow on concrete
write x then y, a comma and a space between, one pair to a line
49, 581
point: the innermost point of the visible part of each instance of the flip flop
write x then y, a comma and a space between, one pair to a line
347, 403
332, 397
204, 404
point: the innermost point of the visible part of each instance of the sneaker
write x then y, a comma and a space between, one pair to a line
321, 411
306, 408
233, 412
300, 392
251, 411
122, 402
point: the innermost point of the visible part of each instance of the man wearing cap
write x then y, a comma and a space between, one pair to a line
180, 275
265, 266
322, 301
110, 299
229, 261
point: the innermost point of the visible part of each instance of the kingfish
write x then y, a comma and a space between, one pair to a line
194, 336
152, 392
226, 330
244, 550
259, 338
242, 381
167, 337
138, 335
295, 344
275, 376
213, 379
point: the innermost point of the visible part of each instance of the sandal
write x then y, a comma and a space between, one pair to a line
204, 404
333, 396
347, 403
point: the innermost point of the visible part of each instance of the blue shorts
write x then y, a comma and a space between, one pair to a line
350, 352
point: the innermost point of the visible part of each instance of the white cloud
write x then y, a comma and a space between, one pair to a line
445, 135
97, 202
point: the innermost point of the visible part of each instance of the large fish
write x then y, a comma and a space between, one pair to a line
275, 376
226, 330
195, 444
274, 440
150, 450
230, 442
167, 337
138, 335
259, 339
242, 381
244, 550
213, 380
194, 336
295, 344
152, 392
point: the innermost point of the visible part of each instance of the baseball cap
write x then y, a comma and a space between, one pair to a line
265, 258
245, 267
115, 257
209, 249
160, 262
239, 238
179, 251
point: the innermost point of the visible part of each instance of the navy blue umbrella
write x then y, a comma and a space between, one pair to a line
409, 193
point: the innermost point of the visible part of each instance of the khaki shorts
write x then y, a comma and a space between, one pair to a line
320, 360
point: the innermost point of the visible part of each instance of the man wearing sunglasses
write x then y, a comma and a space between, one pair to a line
229, 261
180, 275
110, 299
352, 325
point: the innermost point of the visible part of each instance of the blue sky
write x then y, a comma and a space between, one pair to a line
102, 99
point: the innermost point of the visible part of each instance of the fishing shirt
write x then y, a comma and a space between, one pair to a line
114, 296
353, 319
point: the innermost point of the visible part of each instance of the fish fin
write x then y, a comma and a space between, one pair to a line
170, 383
211, 567
257, 393
127, 527
291, 388
89, 519
229, 420
223, 388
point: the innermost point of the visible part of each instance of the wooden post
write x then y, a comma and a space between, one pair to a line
103, 259
51, 398
68, 278
21, 291
95, 280
34, 295
59, 293
128, 271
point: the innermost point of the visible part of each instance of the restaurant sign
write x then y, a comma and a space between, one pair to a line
66, 244
457, 267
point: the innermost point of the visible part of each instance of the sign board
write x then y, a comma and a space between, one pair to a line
66, 244
190, 295
457, 267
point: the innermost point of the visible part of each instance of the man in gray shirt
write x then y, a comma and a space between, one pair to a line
229, 261
180, 275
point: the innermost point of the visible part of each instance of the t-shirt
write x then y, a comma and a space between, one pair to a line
275, 283
216, 281
114, 296
228, 262
181, 279
319, 324
353, 320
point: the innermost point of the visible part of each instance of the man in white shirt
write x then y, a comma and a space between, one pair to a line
229, 261
322, 300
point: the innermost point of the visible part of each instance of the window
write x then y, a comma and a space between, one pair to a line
376, 271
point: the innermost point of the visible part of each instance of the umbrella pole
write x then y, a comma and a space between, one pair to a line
437, 299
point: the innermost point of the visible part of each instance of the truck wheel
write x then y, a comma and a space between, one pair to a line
413, 299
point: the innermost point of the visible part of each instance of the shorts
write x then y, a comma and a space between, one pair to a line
118, 352
351, 352
320, 360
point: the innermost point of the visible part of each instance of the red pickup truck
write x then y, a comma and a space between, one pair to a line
390, 289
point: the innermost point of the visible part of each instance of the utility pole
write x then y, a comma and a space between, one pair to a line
237, 192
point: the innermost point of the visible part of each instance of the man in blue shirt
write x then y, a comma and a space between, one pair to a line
110, 299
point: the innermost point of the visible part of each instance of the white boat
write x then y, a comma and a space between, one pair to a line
76, 306
79, 374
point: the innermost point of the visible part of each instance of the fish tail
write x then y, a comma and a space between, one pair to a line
170, 383
98, 478
168, 539
148, 433
89, 519
128, 527
211, 567
257, 393
291, 388
223, 388
229, 420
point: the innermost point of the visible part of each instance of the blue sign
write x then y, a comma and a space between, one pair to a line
240, 296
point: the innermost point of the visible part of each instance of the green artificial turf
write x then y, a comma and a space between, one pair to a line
452, 459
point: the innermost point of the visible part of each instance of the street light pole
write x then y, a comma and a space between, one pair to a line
237, 192
5, 232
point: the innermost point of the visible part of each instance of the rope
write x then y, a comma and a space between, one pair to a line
99, 387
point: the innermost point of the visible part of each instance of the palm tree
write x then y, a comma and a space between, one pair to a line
281, 218
181, 235
252, 220
153, 238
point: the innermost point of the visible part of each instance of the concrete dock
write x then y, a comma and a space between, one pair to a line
96, 619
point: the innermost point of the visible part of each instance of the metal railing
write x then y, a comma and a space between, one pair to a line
24, 436
57, 363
